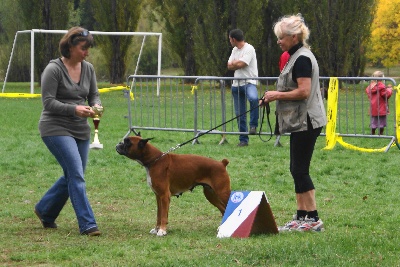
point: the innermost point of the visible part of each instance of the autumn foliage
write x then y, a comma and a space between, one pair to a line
384, 46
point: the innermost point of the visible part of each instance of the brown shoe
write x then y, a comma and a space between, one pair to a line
242, 143
45, 224
94, 231
253, 130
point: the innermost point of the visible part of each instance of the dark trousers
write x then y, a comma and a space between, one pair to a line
301, 150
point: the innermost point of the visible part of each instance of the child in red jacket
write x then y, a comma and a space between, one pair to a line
378, 95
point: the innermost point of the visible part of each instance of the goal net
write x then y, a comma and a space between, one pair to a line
21, 65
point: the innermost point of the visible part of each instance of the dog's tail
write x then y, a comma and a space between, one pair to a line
225, 162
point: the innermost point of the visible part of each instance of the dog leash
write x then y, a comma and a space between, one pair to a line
266, 109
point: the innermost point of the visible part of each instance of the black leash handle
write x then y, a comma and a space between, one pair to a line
267, 110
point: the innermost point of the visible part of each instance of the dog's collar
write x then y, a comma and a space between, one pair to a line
162, 155
148, 165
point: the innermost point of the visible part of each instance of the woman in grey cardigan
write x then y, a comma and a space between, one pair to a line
301, 113
69, 90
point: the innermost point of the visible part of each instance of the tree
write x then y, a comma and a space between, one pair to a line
178, 18
87, 17
212, 48
339, 30
48, 15
268, 51
10, 23
115, 16
199, 33
385, 29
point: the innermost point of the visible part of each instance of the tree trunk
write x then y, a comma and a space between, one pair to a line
117, 67
189, 60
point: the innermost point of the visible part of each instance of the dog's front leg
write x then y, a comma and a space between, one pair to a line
163, 202
154, 231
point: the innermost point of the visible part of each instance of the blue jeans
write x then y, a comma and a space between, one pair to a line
72, 155
240, 94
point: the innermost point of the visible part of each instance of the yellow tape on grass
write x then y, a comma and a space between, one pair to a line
28, 95
19, 95
332, 137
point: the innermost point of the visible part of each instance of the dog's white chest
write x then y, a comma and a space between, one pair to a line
147, 174
148, 178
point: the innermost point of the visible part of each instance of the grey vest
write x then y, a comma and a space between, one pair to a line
292, 114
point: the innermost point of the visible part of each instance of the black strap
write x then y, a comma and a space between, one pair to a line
266, 109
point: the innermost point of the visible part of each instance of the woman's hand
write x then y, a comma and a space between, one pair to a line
303, 91
269, 96
84, 111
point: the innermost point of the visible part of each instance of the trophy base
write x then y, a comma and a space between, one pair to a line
96, 146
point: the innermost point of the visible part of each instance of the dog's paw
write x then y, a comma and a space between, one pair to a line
154, 231
157, 231
161, 232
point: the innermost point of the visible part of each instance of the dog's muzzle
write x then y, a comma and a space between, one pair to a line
122, 147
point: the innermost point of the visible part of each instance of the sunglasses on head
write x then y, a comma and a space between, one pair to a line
84, 33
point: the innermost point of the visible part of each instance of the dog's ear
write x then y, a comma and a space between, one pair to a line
143, 142
136, 133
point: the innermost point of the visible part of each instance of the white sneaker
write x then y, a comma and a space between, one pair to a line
292, 225
311, 225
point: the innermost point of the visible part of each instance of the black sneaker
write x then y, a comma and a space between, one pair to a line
242, 143
253, 130
94, 231
45, 224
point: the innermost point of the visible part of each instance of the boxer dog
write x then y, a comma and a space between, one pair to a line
171, 174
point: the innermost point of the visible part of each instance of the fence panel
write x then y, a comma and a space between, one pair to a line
198, 104
353, 106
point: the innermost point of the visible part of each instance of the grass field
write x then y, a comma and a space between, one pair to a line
389, 72
357, 197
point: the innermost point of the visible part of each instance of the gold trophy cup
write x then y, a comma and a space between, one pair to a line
98, 112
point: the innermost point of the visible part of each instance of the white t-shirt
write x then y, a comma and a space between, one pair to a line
247, 54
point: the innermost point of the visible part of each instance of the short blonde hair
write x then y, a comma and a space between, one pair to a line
293, 25
378, 73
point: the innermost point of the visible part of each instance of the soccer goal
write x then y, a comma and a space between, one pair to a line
33, 32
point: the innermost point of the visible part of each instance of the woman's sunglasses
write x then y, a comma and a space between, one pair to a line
84, 33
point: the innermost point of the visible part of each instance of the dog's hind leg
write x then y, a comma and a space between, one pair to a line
215, 199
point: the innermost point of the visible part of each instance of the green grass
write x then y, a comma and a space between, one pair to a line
357, 197
389, 72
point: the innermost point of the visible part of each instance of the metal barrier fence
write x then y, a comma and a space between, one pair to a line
198, 104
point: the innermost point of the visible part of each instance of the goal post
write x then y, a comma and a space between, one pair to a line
38, 31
